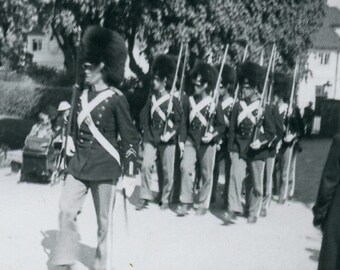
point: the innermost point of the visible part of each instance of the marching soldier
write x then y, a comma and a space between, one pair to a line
226, 93
278, 107
288, 154
198, 145
159, 131
102, 115
245, 151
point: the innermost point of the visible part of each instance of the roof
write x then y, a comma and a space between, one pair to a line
326, 37
37, 31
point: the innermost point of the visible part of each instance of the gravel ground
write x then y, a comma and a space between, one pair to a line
155, 239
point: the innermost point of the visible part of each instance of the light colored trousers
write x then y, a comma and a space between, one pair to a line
254, 184
204, 156
269, 171
287, 173
71, 202
166, 154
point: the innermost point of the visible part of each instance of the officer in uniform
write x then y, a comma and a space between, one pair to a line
199, 146
160, 131
247, 150
102, 116
226, 93
278, 105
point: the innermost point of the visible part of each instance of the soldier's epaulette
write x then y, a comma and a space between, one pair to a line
117, 91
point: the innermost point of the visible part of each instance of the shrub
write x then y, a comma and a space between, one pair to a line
12, 76
50, 76
51, 97
18, 98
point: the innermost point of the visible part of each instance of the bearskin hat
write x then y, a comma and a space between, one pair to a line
228, 77
207, 72
282, 85
164, 66
253, 74
101, 45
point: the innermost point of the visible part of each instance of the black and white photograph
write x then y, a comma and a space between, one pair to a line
170, 134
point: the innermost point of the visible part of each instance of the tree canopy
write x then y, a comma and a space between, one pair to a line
159, 26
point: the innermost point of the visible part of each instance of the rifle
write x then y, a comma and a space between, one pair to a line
214, 100
272, 81
183, 73
261, 58
75, 90
172, 91
291, 99
237, 90
263, 98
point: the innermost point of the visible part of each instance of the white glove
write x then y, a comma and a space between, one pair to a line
166, 137
207, 137
256, 144
288, 138
278, 146
70, 147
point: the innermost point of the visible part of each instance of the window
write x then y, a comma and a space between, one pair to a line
320, 91
37, 45
324, 58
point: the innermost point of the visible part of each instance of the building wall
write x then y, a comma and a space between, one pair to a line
322, 72
45, 52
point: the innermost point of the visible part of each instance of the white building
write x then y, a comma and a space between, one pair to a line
45, 50
323, 79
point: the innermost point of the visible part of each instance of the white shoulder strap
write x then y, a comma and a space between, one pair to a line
87, 108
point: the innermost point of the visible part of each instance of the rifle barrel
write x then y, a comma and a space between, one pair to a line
172, 91
75, 89
290, 106
217, 86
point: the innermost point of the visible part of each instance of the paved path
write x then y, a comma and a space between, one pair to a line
159, 240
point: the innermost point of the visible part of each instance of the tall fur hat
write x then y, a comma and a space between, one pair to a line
228, 77
252, 73
207, 72
101, 45
164, 66
282, 85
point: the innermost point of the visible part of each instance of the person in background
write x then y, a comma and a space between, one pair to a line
308, 118
64, 109
227, 88
42, 129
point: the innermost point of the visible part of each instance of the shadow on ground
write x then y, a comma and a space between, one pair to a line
314, 254
310, 163
87, 254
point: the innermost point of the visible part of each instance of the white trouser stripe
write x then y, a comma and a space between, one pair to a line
109, 241
290, 149
261, 188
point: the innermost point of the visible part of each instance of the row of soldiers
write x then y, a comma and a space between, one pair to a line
197, 142
105, 140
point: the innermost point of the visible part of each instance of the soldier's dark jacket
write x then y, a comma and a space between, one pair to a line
195, 130
279, 129
241, 135
112, 118
293, 124
153, 125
